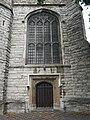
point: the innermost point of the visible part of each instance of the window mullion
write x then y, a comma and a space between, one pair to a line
35, 40
27, 43
43, 44
51, 42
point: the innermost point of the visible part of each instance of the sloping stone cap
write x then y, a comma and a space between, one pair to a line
77, 100
7, 3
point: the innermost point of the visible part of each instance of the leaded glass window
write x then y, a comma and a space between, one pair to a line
56, 59
43, 41
31, 53
47, 54
39, 54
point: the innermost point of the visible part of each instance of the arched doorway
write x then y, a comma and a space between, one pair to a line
44, 95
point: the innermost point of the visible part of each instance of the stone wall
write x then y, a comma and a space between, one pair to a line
5, 36
78, 86
74, 70
18, 71
75, 53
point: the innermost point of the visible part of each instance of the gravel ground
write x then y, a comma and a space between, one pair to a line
54, 115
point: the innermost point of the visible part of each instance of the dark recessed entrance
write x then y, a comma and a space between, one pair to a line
44, 95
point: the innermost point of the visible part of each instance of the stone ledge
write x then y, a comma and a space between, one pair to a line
77, 100
40, 66
28, 4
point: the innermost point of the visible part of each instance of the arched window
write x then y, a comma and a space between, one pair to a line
43, 41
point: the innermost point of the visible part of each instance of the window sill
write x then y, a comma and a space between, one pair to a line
41, 66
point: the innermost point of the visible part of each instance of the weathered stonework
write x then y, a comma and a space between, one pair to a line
5, 39
16, 76
35, 1
80, 61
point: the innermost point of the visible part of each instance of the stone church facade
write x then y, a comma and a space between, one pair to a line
44, 57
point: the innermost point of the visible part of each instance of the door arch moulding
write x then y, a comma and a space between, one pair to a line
34, 79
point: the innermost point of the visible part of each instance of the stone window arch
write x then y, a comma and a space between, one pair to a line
43, 39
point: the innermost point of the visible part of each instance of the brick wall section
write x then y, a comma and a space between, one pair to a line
5, 36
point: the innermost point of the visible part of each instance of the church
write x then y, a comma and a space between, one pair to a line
44, 57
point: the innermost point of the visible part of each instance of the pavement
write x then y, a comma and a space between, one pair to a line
48, 115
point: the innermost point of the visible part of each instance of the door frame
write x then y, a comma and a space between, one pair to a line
50, 78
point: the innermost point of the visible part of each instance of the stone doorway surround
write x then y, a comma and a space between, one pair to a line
34, 79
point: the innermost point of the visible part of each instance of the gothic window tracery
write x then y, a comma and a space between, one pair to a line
43, 43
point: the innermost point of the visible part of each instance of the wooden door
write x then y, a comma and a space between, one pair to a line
44, 95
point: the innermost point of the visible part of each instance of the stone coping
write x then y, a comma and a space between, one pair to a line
28, 4
41, 66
